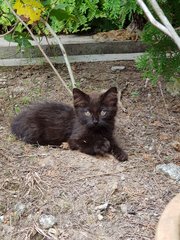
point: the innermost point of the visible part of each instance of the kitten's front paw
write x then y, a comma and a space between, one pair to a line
73, 144
102, 147
120, 155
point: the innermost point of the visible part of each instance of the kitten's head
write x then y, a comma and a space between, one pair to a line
95, 110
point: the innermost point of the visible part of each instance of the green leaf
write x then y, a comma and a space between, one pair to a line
21, 38
46, 3
60, 14
9, 38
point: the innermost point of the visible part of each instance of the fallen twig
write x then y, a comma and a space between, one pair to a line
33, 181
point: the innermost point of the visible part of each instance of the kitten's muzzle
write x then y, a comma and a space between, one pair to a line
95, 122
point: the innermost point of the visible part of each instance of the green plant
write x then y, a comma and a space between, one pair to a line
26, 100
17, 109
72, 16
6, 18
121, 11
135, 94
162, 56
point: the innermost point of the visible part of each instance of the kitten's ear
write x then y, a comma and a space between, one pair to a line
81, 99
109, 98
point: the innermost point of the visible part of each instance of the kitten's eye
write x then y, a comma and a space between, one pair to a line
87, 113
103, 113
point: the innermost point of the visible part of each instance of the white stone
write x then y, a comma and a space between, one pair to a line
122, 178
20, 208
170, 169
47, 221
124, 208
117, 68
102, 206
100, 217
1, 219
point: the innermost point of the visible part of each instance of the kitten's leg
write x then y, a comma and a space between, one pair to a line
102, 146
90, 146
117, 152
80, 145
94, 146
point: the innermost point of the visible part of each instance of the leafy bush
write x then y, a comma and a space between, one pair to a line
6, 18
66, 16
72, 16
121, 11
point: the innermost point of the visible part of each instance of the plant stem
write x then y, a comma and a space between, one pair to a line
63, 52
167, 27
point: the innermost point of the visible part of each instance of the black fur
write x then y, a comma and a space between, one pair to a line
87, 127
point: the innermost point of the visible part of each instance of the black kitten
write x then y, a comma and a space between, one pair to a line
87, 127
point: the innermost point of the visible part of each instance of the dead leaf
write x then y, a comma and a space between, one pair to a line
163, 136
176, 145
147, 157
65, 146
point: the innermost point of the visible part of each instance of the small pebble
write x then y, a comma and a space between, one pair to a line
47, 221
156, 214
122, 178
102, 206
1, 219
100, 217
124, 208
19, 208
117, 68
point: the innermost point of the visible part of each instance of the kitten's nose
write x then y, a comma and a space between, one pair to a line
95, 121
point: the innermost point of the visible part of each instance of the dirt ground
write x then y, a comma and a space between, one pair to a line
71, 185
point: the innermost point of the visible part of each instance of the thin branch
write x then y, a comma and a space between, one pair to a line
152, 19
166, 22
39, 46
63, 52
157, 24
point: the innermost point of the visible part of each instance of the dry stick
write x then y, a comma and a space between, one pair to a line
63, 52
157, 24
39, 46
40, 231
